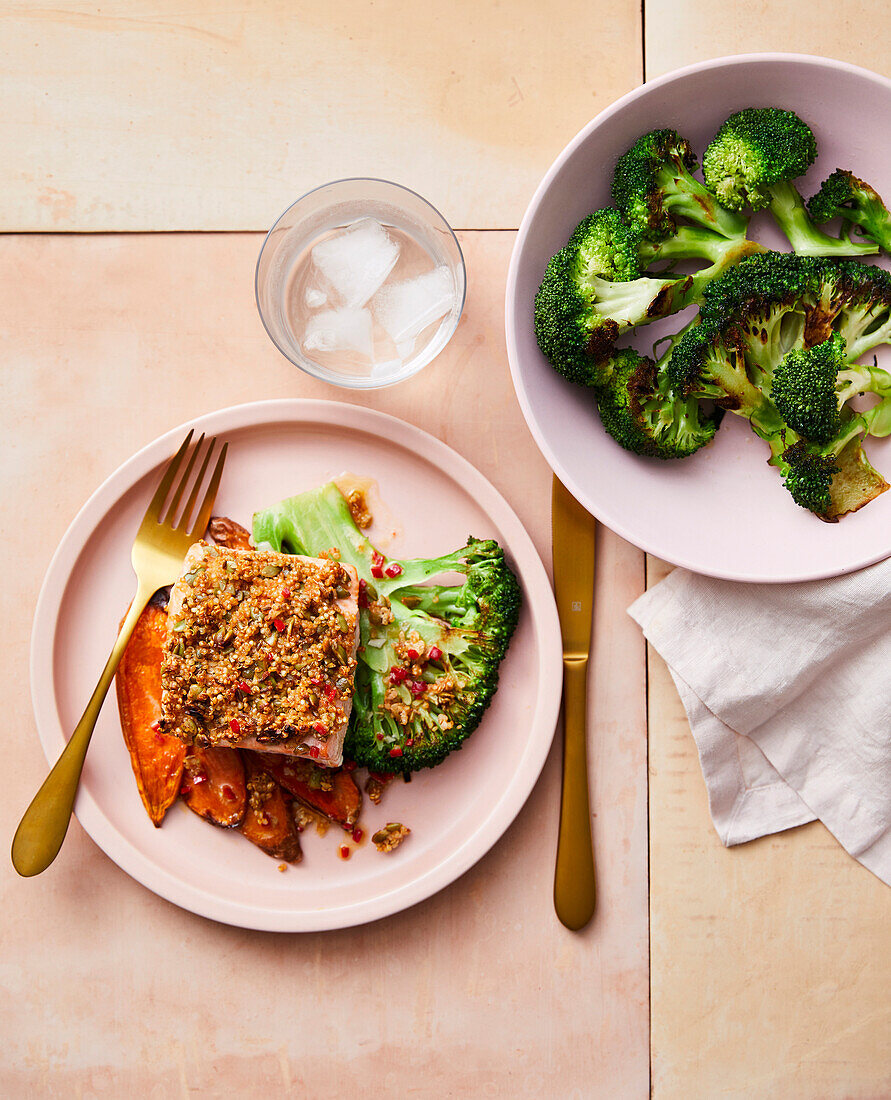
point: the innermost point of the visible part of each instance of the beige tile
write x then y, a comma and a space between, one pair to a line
680, 33
478, 992
770, 962
161, 116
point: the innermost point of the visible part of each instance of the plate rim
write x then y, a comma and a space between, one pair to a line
544, 625
510, 328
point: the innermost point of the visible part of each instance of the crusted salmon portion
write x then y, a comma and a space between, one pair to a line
260, 652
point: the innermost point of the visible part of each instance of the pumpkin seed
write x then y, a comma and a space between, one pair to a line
270, 570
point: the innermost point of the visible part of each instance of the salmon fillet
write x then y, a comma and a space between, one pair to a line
260, 652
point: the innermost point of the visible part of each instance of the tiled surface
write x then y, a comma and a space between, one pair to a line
162, 116
694, 30
479, 991
769, 968
770, 961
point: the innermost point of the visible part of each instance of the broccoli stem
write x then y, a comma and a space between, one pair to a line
787, 206
685, 195
692, 243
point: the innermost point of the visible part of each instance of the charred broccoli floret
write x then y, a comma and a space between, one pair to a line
751, 162
808, 476
429, 654
751, 353
640, 413
845, 196
593, 291
709, 364
654, 185
805, 389
829, 480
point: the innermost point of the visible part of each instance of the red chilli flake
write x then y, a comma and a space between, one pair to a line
377, 565
397, 675
314, 751
278, 624
245, 687
185, 790
343, 852
394, 569
330, 691
357, 834
416, 687
286, 593
396, 752
363, 593
228, 792
413, 654
234, 725
434, 653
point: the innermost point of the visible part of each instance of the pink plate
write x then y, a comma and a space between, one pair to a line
456, 812
724, 511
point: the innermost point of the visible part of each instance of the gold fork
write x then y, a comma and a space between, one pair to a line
158, 553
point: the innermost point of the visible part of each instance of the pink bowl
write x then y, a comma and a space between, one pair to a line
722, 512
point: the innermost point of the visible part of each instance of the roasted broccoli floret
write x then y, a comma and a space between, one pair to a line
429, 654
708, 364
751, 353
640, 413
805, 389
807, 475
751, 162
654, 185
845, 196
812, 388
829, 480
592, 292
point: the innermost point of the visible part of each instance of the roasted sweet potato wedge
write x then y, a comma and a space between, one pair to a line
268, 821
226, 532
341, 804
214, 785
157, 758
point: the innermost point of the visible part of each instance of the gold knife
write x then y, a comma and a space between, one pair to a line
572, 531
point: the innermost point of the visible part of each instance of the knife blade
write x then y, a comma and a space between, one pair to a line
573, 532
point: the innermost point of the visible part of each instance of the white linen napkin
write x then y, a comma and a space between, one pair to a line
788, 693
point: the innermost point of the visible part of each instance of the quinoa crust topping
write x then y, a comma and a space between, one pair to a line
260, 648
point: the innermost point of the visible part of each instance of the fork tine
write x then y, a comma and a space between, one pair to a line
183, 482
183, 524
210, 496
154, 509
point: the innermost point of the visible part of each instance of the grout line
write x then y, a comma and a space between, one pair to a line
643, 40
649, 907
185, 232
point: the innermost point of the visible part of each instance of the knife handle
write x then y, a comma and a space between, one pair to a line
574, 889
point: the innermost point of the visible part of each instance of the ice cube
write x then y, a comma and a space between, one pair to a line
406, 309
356, 260
315, 297
340, 330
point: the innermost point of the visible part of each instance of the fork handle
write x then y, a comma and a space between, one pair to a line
42, 829
574, 885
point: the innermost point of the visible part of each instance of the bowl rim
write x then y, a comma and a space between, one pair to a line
510, 314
